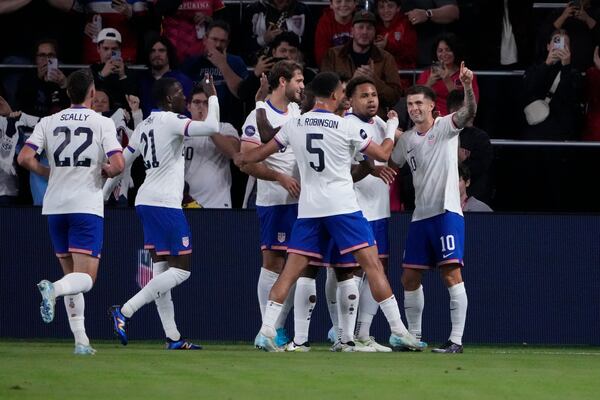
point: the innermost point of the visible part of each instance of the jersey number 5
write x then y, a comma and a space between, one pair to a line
149, 142
320, 166
66, 162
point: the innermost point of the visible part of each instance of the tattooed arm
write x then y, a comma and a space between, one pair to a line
467, 112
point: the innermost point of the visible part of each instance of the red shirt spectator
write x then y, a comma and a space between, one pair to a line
397, 34
186, 28
333, 28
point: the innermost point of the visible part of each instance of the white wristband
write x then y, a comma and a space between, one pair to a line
390, 128
261, 104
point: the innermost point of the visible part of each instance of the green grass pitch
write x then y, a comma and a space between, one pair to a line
143, 370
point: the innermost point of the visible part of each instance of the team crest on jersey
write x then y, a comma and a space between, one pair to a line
180, 116
185, 241
281, 237
363, 134
431, 138
250, 130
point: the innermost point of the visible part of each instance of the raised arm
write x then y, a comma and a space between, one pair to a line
128, 156
383, 152
469, 109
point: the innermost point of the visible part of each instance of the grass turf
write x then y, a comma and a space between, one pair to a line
143, 370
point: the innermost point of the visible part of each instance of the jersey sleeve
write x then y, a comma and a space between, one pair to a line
446, 125
250, 131
37, 140
110, 143
399, 153
226, 129
177, 123
283, 137
134, 142
358, 137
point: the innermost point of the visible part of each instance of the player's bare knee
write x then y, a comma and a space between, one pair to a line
411, 279
451, 275
343, 274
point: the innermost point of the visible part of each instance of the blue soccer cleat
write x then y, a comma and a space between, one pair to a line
119, 323
267, 344
407, 341
282, 338
83, 350
181, 344
332, 335
46, 289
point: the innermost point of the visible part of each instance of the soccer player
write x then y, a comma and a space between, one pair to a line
78, 141
159, 139
324, 145
278, 189
436, 233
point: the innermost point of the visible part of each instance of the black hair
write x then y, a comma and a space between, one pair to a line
355, 82
171, 53
285, 69
288, 37
455, 100
41, 41
453, 43
398, 2
324, 84
161, 89
464, 172
78, 85
422, 89
219, 23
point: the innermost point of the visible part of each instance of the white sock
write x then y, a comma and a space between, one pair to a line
390, 309
359, 281
414, 302
157, 286
330, 295
75, 306
347, 298
367, 308
305, 299
458, 311
73, 283
266, 279
285, 309
272, 311
165, 306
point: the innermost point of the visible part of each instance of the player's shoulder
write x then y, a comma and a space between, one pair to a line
251, 118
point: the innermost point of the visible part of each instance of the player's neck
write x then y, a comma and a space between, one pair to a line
85, 104
424, 126
321, 104
279, 101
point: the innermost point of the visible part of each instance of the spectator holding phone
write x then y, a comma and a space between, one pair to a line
111, 74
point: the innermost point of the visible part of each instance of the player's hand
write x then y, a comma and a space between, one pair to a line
289, 184
385, 173
238, 159
392, 114
208, 85
5, 109
466, 75
106, 170
263, 90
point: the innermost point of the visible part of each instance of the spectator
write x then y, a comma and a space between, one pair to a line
563, 120
265, 19
429, 17
334, 27
592, 119
468, 202
207, 167
227, 70
395, 34
284, 46
111, 74
43, 92
581, 22
161, 59
125, 16
475, 151
360, 56
443, 74
186, 27
13, 127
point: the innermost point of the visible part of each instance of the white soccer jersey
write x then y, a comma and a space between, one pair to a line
77, 141
207, 169
433, 160
270, 193
372, 193
325, 145
8, 147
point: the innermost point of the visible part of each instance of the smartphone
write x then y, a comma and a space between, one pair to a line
116, 55
558, 42
52, 66
436, 66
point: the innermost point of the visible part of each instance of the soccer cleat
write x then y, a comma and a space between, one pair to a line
407, 341
267, 344
300, 348
46, 289
83, 350
332, 335
181, 344
336, 347
370, 342
256, 342
351, 347
448, 347
119, 323
282, 338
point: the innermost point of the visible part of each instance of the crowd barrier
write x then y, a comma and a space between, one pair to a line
530, 279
